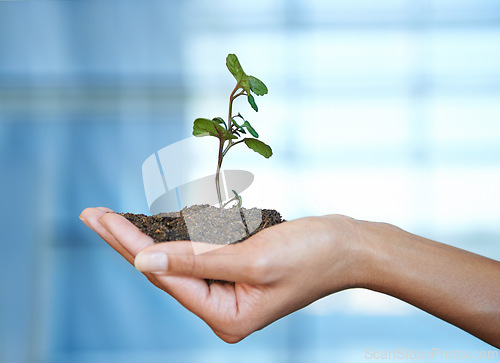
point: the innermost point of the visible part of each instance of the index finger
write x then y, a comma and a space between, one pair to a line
91, 217
233, 262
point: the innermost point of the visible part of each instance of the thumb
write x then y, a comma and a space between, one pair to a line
234, 262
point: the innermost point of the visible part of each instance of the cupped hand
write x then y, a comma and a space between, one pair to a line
275, 272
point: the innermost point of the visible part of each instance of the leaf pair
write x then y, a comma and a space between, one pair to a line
206, 127
247, 83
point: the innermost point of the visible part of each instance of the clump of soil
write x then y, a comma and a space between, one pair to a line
205, 223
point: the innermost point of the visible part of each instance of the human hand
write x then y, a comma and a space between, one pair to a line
275, 272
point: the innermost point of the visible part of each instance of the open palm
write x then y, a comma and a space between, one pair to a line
277, 271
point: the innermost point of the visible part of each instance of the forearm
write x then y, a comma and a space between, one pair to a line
455, 285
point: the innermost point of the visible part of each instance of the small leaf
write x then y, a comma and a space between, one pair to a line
257, 86
252, 103
238, 197
220, 120
206, 127
239, 127
236, 124
250, 129
234, 66
260, 147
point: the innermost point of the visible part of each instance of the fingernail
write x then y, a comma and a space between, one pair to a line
155, 262
82, 219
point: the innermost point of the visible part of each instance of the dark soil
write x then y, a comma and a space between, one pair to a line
204, 223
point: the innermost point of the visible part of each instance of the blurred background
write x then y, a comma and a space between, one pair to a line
384, 110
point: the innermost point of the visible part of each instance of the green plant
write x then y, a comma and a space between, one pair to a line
230, 133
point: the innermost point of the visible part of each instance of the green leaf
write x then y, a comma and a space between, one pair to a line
206, 127
251, 101
260, 147
238, 197
245, 83
239, 127
257, 86
220, 120
236, 124
250, 129
234, 66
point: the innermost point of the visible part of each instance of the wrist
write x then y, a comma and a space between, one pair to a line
353, 246
376, 253
365, 247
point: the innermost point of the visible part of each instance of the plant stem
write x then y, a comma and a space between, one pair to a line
230, 115
232, 97
230, 146
222, 153
217, 174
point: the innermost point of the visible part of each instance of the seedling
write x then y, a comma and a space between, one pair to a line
230, 133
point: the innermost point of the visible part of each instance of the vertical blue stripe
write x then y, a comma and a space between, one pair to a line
178, 198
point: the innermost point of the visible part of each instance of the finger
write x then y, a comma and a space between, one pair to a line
236, 263
126, 233
91, 217
189, 291
213, 303
224, 307
192, 293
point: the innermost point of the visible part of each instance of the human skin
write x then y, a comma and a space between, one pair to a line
288, 266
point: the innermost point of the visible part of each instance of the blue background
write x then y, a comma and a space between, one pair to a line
386, 110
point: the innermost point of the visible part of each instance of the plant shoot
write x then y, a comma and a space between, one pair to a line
230, 133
